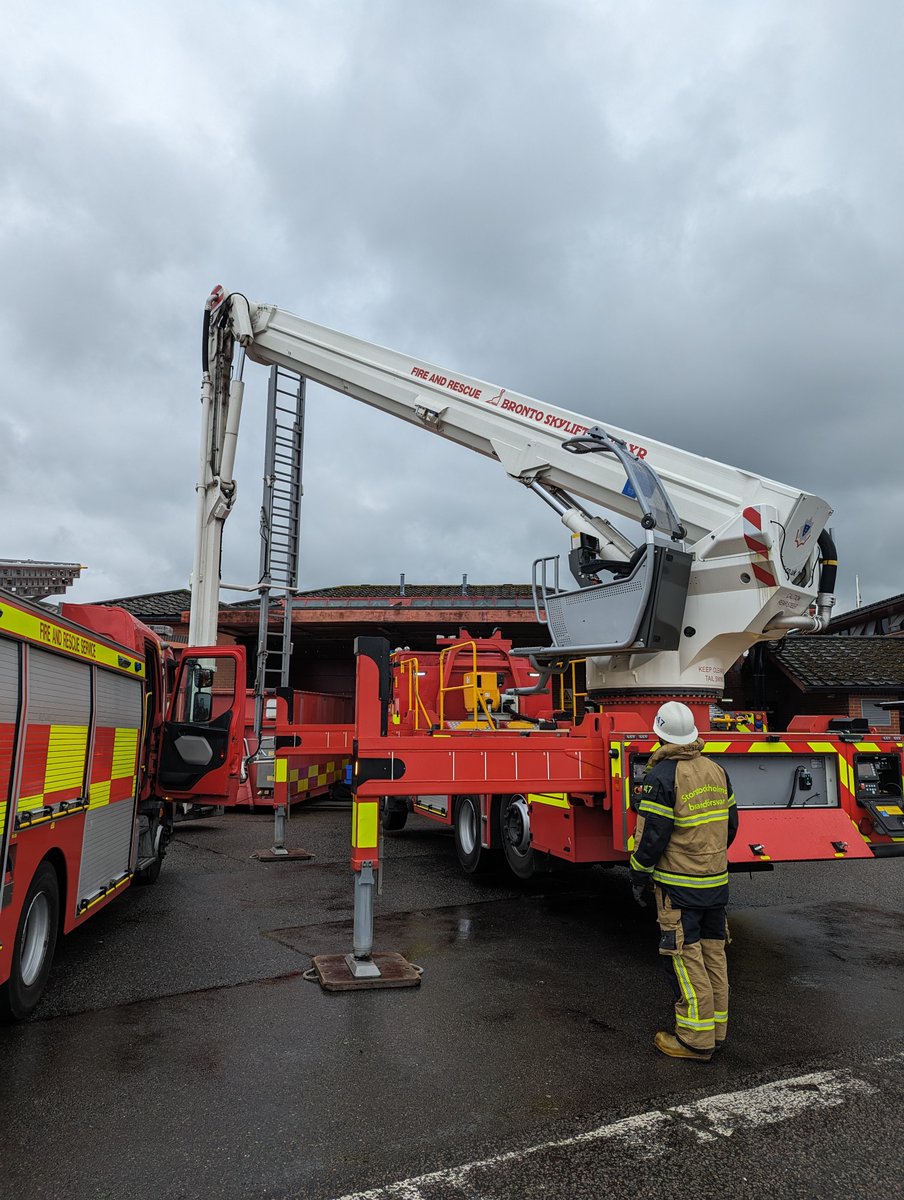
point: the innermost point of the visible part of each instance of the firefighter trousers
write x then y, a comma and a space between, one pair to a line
692, 944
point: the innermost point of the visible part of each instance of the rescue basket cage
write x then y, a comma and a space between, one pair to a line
641, 607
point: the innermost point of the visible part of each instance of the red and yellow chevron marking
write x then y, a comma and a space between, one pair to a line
44, 631
113, 766
301, 779
53, 767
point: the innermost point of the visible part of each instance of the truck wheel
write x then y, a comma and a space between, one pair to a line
149, 874
514, 836
474, 858
33, 948
395, 813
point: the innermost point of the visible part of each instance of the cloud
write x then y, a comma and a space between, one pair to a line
680, 221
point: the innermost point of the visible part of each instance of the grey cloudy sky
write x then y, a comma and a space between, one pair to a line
685, 219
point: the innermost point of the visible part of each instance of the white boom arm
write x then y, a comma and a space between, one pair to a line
754, 541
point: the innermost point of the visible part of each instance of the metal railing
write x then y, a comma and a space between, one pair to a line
414, 691
570, 674
478, 703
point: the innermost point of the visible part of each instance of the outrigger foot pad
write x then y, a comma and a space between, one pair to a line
383, 969
273, 855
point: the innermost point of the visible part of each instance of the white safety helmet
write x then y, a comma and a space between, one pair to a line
675, 723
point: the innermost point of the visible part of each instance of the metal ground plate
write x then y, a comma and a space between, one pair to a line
334, 975
288, 856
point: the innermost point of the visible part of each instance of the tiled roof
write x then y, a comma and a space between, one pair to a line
836, 661
865, 611
154, 604
172, 604
432, 590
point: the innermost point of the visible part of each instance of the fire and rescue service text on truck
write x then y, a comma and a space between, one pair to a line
102, 730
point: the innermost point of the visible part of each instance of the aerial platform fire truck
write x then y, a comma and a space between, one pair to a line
103, 729
716, 560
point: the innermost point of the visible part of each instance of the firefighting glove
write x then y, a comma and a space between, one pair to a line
638, 891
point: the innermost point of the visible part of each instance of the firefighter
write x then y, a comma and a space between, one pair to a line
686, 820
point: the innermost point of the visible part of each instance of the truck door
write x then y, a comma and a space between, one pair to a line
202, 744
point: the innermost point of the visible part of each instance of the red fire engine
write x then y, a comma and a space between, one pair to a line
307, 777
102, 730
718, 561
822, 789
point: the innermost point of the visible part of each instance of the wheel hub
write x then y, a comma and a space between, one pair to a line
467, 827
35, 936
517, 825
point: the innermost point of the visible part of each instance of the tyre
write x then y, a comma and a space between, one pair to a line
466, 822
149, 874
395, 813
514, 836
33, 947
158, 835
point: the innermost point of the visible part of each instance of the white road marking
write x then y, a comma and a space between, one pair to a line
769, 1104
705, 1120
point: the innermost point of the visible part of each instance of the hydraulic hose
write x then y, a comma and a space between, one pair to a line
828, 563
825, 599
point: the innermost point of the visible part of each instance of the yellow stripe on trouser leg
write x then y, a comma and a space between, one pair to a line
694, 1017
717, 969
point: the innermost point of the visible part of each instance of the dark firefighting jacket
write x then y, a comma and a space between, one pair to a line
686, 820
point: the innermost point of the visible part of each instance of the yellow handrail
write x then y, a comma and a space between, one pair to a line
414, 690
478, 701
575, 694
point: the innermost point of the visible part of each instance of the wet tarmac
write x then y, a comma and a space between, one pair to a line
181, 1052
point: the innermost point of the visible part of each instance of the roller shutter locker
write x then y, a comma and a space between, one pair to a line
109, 822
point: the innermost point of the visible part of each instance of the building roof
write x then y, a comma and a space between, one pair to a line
834, 661
491, 595
882, 617
154, 604
353, 591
